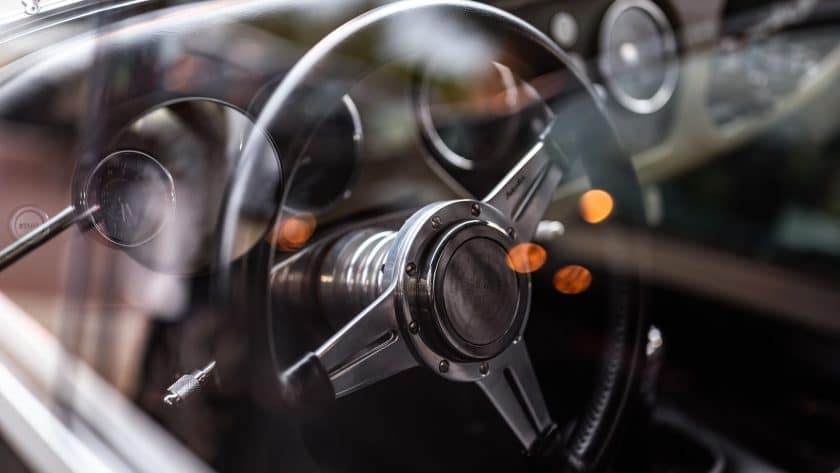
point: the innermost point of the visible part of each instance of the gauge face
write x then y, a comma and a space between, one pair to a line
477, 123
197, 146
474, 122
327, 170
638, 55
133, 196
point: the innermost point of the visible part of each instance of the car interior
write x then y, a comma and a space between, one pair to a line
420, 235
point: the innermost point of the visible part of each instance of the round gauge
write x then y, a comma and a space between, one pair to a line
200, 144
480, 120
327, 169
638, 57
131, 196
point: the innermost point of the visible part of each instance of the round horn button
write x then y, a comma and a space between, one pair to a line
480, 293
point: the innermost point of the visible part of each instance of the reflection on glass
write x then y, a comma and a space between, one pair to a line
572, 279
294, 231
526, 257
595, 205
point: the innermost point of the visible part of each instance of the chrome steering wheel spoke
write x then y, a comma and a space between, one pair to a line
525, 193
513, 389
368, 349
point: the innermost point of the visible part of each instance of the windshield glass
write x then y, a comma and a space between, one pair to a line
250, 235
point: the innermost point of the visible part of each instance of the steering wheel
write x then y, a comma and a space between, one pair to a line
438, 293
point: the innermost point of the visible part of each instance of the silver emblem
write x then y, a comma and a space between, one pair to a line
26, 219
31, 7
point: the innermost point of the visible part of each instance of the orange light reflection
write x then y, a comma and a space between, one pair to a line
572, 279
294, 231
526, 257
596, 205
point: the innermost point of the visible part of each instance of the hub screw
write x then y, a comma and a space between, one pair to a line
484, 368
475, 210
410, 268
413, 328
443, 367
436, 222
511, 232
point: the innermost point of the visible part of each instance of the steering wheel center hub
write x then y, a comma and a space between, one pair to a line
478, 291
468, 305
474, 294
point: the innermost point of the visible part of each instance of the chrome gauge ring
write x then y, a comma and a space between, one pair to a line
638, 55
514, 121
133, 196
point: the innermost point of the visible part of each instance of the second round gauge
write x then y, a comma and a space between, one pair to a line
132, 196
638, 58
161, 195
478, 122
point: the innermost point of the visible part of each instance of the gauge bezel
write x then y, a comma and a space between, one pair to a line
88, 205
432, 136
429, 131
351, 108
666, 90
